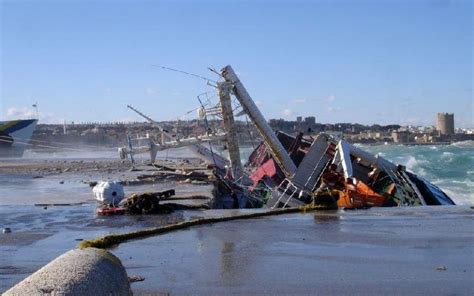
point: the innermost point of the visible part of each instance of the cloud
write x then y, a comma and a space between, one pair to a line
286, 112
334, 109
20, 113
384, 113
298, 101
331, 98
259, 103
411, 121
13, 113
150, 91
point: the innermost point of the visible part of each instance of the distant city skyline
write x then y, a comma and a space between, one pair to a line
368, 62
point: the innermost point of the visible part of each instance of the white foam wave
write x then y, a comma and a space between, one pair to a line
413, 163
464, 144
460, 198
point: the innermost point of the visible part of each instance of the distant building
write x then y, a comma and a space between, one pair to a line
299, 119
310, 121
445, 123
400, 136
309, 124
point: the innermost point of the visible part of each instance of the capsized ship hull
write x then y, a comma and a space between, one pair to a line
15, 135
357, 179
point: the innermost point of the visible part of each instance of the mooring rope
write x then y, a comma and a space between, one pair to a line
110, 240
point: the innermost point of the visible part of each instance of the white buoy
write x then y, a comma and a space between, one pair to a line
108, 193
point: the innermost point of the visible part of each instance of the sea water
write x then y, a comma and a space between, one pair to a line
450, 167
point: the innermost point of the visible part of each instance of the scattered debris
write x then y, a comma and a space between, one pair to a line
147, 203
136, 278
441, 268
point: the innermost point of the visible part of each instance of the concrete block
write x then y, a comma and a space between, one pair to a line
78, 272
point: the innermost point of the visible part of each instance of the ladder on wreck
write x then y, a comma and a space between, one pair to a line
286, 191
306, 176
408, 194
412, 186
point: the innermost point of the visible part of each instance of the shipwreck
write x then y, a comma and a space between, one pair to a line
291, 170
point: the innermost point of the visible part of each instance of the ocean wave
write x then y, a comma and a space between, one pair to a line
412, 162
459, 198
463, 144
450, 167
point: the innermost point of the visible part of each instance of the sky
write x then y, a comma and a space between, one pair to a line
385, 62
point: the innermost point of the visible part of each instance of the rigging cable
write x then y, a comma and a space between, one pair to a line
184, 72
207, 128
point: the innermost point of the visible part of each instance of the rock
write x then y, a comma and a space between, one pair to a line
61, 182
7, 230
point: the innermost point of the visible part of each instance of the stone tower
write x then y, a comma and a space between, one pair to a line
445, 123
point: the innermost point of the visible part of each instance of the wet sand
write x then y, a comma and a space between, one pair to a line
376, 251
373, 252
41, 233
